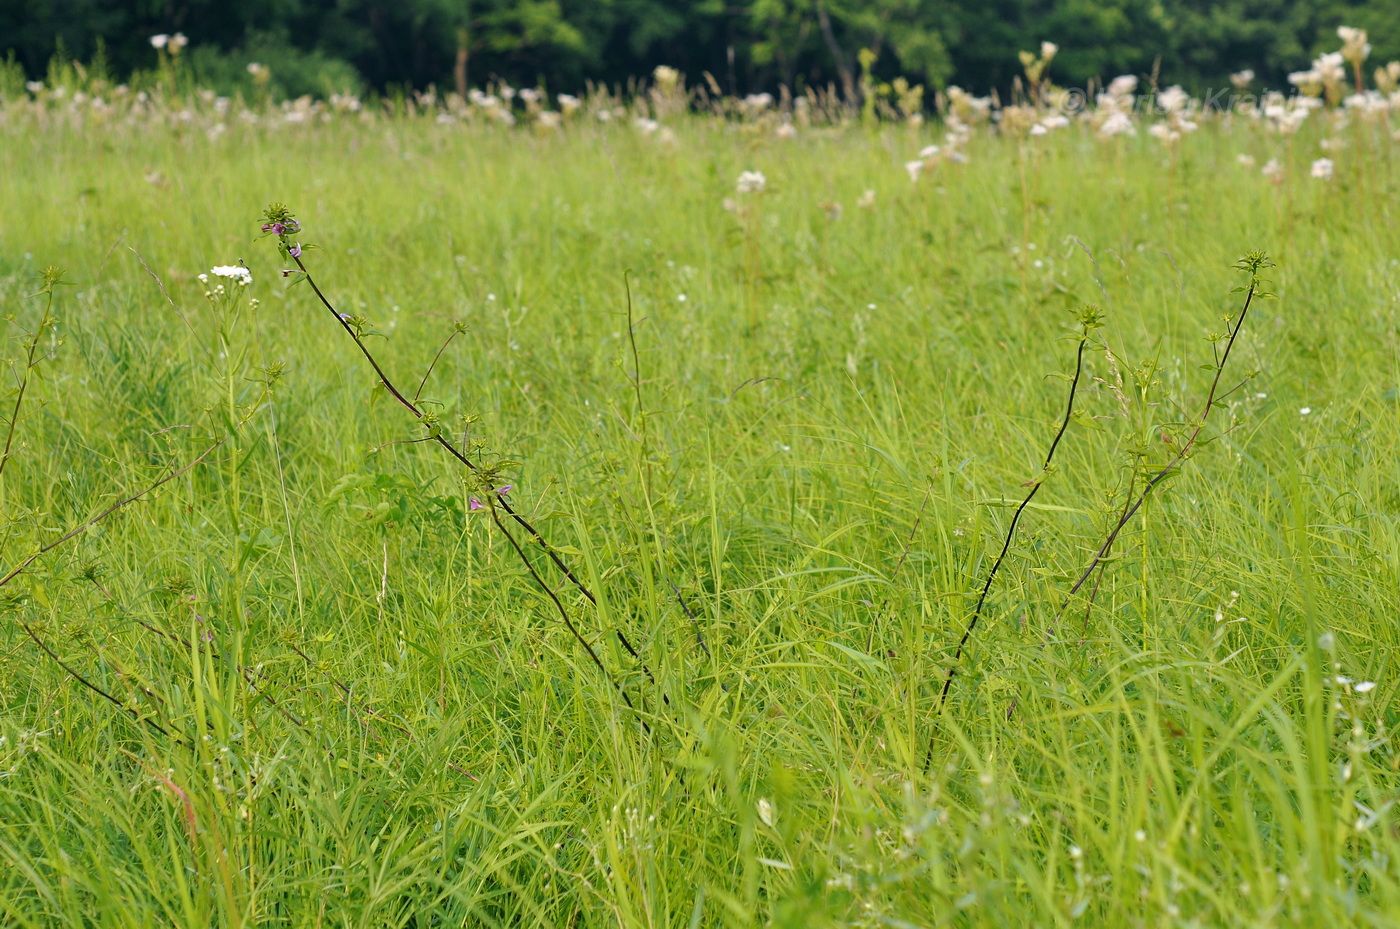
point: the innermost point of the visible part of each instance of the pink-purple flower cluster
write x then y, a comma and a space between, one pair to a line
289, 227
474, 503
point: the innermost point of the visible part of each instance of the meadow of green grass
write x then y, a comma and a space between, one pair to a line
376, 718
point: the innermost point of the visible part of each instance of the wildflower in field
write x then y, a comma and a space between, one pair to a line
34, 87
915, 168
1324, 79
757, 103
966, 109
295, 250
666, 76
1242, 79
1272, 171
1287, 116
1123, 85
177, 43
1245, 159
1388, 78
1308, 82
1173, 99
866, 200
234, 272
1117, 124
1322, 169
752, 182
786, 131
1355, 45
160, 41
474, 504
1035, 66
1304, 411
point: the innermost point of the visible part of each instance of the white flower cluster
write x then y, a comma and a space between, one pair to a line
173, 44
237, 273
752, 182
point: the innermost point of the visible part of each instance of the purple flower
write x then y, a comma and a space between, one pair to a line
503, 489
267, 227
295, 250
345, 317
473, 504
278, 228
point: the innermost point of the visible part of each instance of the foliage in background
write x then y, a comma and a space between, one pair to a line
747, 46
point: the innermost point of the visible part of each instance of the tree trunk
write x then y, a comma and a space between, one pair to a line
459, 69
843, 67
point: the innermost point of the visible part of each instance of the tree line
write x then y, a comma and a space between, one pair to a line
744, 45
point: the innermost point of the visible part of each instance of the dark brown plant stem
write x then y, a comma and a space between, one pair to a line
496, 500
1015, 519
293, 718
644, 465
558, 605
42, 550
72, 533
344, 688
77, 676
690, 615
1171, 466
451, 449
433, 364
247, 675
1098, 581
23, 385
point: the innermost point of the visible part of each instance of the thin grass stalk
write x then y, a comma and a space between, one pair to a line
1090, 320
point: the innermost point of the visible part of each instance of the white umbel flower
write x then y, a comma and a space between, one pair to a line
752, 182
234, 272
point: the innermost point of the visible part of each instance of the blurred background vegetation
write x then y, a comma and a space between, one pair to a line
745, 45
